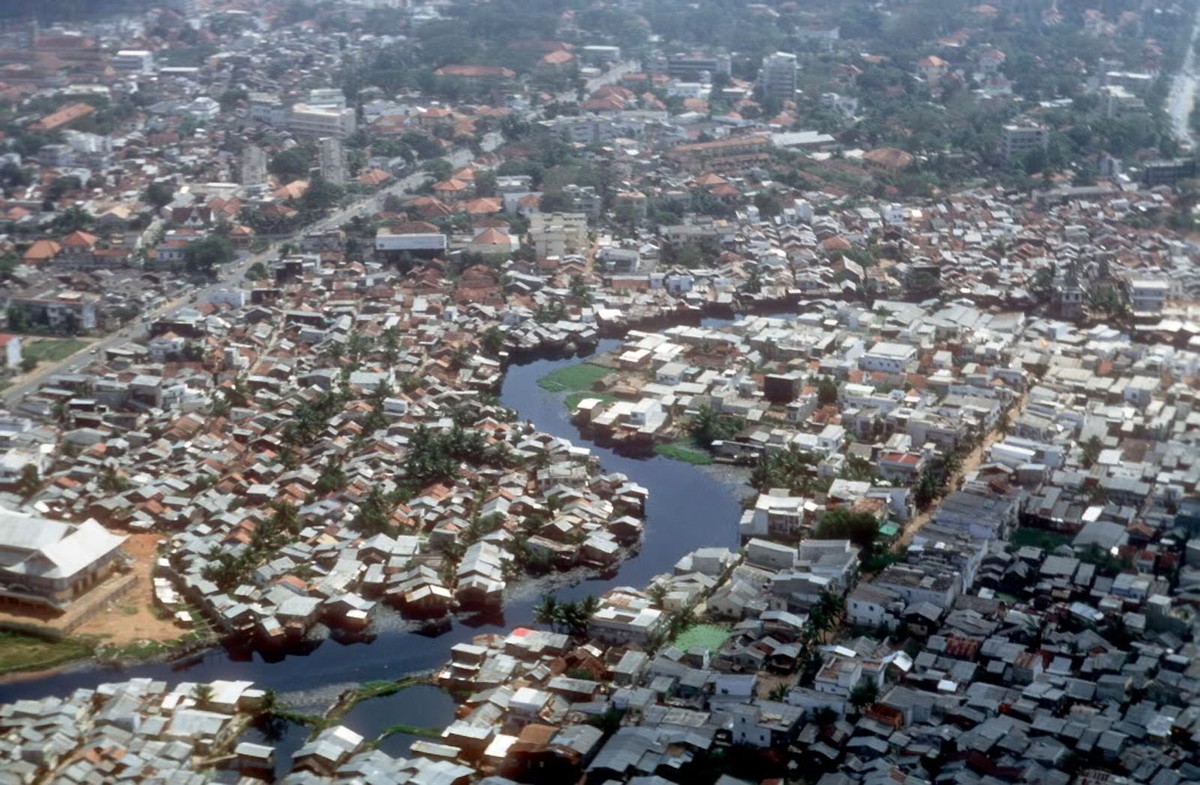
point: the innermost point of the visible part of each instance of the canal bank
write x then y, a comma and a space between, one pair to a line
688, 508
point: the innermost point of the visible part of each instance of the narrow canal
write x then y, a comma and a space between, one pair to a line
689, 508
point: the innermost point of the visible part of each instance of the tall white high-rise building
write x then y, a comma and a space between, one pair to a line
332, 159
254, 166
778, 76
307, 120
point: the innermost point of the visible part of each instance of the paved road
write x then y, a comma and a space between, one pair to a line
969, 464
233, 276
608, 77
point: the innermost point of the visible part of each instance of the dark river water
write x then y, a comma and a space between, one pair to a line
688, 508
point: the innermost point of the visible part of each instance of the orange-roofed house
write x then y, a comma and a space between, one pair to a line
15, 213
373, 177
293, 190
63, 117
836, 245
476, 73
77, 248
435, 117
528, 204
991, 61
933, 69
556, 61
890, 158
451, 188
483, 206
41, 251
492, 241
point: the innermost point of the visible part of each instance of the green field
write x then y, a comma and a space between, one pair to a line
684, 450
702, 636
573, 378
52, 350
1039, 538
25, 652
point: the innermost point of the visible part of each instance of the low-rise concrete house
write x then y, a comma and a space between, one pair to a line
45, 563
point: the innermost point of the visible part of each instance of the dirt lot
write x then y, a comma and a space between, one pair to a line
131, 617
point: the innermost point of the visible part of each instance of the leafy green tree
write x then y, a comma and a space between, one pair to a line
485, 183
18, 318
61, 186
30, 482
579, 290
72, 219
286, 518
1108, 301
926, 488
1091, 451
493, 341
825, 716
827, 391
1042, 284
332, 477
708, 426
257, 272
840, 523
321, 195
754, 281
224, 569
791, 468
374, 514
864, 695
439, 169
289, 165
205, 255
159, 194
230, 97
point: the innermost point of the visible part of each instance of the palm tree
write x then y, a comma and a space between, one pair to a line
202, 694
461, 356
832, 602
864, 695
657, 593
270, 701
546, 612
572, 618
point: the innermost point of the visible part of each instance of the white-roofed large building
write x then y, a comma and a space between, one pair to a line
45, 563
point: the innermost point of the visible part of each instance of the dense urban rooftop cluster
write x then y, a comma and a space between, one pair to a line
923, 276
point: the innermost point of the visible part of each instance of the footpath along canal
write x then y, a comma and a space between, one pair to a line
689, 507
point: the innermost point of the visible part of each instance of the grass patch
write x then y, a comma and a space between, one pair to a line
53, 350
25, 652
572, 400
314, 721
702, 636
574, 377
378, 688
684, 450
1038, 538
139, 650
411, 730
